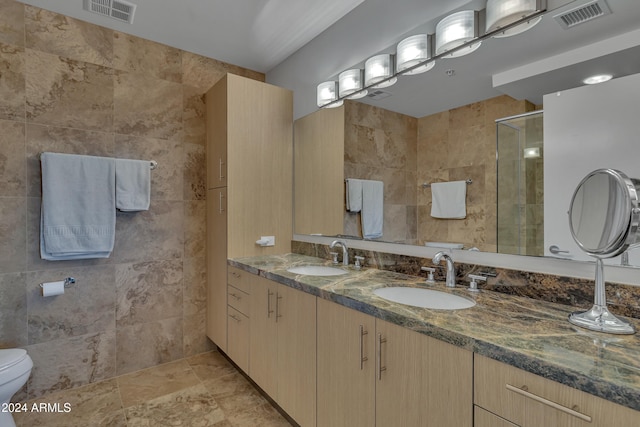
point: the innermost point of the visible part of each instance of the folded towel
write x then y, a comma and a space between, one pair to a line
354, 195
448, 200
372, 209
133, 185
78, 216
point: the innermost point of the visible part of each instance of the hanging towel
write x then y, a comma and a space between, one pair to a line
372, 209
354, 195
448, 200
78, 215
133, 185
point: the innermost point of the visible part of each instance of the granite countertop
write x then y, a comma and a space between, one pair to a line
529, 334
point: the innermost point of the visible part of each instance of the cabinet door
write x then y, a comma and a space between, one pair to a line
296, 320
238, 338
217, 267
482, 418
263, 338
217, 138
421, 381
346, 360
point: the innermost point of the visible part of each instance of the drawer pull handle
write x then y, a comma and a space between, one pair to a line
363, 358
234, 317
523, 392
235, 296
381, 368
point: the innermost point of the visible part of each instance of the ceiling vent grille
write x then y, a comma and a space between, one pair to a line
378, 94
586, 12
116, 9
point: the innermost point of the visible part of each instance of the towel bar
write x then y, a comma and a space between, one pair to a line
427, 185
152, 163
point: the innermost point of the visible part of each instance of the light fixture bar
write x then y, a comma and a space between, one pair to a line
448, 53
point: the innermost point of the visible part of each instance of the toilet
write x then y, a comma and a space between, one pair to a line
15, 368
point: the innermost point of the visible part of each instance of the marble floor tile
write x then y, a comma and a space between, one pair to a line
201, 391
151, 383
190, 407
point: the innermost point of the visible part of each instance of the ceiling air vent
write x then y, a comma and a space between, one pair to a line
583, 13
115, 9
378, 94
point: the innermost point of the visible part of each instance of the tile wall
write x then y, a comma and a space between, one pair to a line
73, 87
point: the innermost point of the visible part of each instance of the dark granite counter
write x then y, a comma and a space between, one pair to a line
529, 334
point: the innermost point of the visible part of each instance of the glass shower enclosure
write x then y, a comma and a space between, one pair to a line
520, 161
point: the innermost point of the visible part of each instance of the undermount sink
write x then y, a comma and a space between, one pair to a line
316, 270
424, 298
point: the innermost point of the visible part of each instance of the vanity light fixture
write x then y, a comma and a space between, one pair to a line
413, 51
327, 94
350, 84
379, 72
501, 13
599, 78
456, 30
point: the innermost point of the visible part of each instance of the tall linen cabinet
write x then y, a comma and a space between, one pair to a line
249, 182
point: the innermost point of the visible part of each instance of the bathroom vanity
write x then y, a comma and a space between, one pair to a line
356, 359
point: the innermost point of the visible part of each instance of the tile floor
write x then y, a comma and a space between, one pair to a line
200, 391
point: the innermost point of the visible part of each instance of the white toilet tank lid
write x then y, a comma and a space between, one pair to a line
11, 356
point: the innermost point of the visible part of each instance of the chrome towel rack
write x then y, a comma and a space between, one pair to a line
152, 163
427, 185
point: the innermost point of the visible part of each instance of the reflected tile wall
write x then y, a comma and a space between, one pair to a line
381, 145
460, 144
72, 87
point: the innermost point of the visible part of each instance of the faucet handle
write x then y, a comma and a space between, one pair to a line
473, 285
430, 270
358, 264
334, 257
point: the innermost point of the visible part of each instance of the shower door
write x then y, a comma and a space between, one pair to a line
519, 152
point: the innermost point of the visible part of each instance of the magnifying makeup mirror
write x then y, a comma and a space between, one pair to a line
603, 217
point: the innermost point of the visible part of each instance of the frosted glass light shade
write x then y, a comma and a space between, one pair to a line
501, 13
378, 68
326, 93
411, 51
350, 84
456, 30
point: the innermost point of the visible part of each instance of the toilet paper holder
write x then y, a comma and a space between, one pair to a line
67, 282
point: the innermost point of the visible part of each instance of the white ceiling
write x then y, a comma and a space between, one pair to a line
277, 37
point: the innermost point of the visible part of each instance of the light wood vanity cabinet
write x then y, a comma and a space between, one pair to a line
407, 379
528, 400
249, 174
346, 366
282, 347
238, 322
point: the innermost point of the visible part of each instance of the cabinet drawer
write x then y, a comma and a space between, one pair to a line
238, 299
529, 400
238, 338
482, 418
239, 279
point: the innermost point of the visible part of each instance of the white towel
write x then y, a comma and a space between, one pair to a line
372, 209
354, 195
448, 200
78, 215
133, 185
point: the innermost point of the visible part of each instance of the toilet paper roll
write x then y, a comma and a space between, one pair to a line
50, 289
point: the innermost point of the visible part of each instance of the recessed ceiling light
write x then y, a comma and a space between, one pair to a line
600, 78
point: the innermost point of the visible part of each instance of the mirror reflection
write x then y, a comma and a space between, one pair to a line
505, 204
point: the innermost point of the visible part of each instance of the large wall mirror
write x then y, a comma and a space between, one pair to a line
433, 128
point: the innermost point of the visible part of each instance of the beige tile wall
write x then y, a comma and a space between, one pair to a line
457, 145
73, 87
381, 145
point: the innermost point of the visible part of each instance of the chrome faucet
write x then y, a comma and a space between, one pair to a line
345, 253
451, 270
